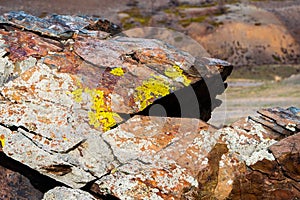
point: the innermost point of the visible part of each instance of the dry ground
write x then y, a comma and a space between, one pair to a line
244, 97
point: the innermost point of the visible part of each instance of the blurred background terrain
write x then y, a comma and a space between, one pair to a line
261, 38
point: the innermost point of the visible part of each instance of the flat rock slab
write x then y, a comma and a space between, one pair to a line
60, 26
287, 154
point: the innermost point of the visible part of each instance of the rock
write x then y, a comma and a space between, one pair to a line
203, 162
286, 153
67, 193
60, 94
159, 160
179, 40
16, 186
61, 26
274, 176
74, 111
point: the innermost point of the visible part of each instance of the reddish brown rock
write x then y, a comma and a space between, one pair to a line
22, 44
287, 155
61, 94
278, 177
16, 186
65, 114
167, 158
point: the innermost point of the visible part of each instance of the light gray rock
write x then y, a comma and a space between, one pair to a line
62, 193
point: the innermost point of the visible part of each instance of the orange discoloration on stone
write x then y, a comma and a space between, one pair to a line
28, 73
24, 44
66, 62
44, 120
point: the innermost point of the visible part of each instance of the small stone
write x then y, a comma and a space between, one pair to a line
67, 193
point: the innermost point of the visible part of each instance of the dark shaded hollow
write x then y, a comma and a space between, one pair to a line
195, 101
39, 181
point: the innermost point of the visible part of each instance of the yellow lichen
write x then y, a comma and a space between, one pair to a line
2, 140
77, 95
117, 71
100, 114
151, 89
176, 73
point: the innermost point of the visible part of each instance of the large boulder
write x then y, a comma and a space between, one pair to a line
65, 81
74, 106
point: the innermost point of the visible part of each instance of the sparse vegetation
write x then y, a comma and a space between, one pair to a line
265, 72
135, 16
188, 21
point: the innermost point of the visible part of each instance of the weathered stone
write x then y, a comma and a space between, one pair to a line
283, 117
67, 193
16, 186
22, 44
287, 155
62, 26
159, 159
204, 163
62, 112
273, 169
59, 96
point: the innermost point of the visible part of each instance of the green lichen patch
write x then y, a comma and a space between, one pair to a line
151, 89
188, 21
135, 16
176, 73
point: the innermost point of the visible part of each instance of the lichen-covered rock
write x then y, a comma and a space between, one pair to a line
158, 160
62, 87
65, 109
67, 193
169, 158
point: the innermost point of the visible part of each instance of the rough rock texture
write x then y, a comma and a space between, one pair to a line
175, 38
73, 106
274, 162
158, 160
286, 153
169, 158
63, 85
67, 193
14, 185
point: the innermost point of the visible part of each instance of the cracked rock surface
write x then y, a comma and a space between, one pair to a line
74, 106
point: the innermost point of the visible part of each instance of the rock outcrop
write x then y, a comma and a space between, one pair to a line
65, 81
105, 117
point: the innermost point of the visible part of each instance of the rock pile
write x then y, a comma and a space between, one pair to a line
79, 118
